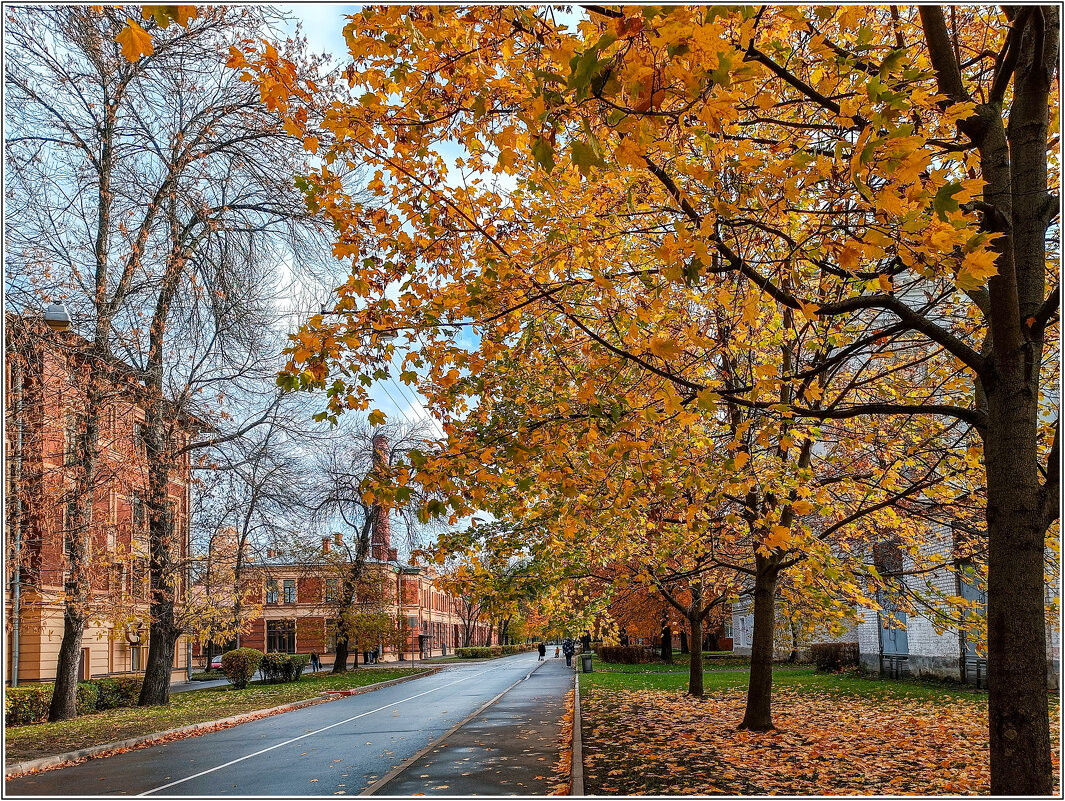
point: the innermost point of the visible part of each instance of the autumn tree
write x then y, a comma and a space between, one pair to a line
881, 170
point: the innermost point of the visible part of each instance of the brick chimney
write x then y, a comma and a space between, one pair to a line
380, 541
326, 544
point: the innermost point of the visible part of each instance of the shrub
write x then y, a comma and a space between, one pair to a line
295, 666
240, 665
276, 668
129, 689
87, 696
474, 652
625, 654
108, 694
26, 704
830, 657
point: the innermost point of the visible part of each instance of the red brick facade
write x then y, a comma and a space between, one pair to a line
44, 395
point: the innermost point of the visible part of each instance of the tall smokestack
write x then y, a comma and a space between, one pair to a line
380, 542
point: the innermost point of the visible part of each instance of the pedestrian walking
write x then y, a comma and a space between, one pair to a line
316, 663
556, 652
568, 649
542, 650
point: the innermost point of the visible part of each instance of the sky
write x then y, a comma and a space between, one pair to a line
323, 25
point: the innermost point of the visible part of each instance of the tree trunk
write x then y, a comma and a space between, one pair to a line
156, 687
759, 714
1018, 714
683, 641
1020, 209
64, 695
64, 701
695, 659
340, 660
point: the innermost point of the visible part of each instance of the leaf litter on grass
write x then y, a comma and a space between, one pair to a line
665, 743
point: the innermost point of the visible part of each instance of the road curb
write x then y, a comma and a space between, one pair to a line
576, 779
106, 749
396, 771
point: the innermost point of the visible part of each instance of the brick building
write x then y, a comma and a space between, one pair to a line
43, 411
298, 601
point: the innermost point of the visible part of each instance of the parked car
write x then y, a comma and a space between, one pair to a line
216, 662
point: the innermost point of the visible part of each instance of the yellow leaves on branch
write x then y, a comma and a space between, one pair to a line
135, 41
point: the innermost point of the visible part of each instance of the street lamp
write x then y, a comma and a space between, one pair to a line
56, 317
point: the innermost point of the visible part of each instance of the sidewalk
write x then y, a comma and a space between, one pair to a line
510, 748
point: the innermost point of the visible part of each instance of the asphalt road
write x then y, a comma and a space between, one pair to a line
340, 747
510, 748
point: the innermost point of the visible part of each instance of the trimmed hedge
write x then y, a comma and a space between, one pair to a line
489, 651
830, 657
87, 696
26, 704
240, 665
278, 668
29, 703
625, 654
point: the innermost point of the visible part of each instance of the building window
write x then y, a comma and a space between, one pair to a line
330, 590
728, 629
271, 591
290, 591
281, 636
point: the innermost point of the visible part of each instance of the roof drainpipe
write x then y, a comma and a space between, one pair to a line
16, 579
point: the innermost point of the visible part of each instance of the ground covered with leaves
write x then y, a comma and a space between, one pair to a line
643, 741
197, 706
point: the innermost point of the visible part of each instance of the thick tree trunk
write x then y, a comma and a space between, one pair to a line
683, 641
64, 696
1018, 212
759, 713
1018, 713
340, 659
156, 687
695, 659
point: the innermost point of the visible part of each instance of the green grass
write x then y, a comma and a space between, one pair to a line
802, 679
680, 665
195, 706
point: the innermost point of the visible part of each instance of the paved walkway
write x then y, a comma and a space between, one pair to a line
510, 748
351, 744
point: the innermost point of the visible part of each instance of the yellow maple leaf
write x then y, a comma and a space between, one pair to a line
777, 537
135, 41
665, 349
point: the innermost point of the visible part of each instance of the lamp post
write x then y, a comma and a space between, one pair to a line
56, 316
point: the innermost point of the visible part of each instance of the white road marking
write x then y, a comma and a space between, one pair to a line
303, 736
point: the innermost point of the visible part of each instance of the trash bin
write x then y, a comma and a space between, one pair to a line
586, 663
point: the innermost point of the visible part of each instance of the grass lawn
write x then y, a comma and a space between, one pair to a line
195, 706
837, 734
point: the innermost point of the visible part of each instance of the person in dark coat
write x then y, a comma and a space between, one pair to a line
568, 649
542, 650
